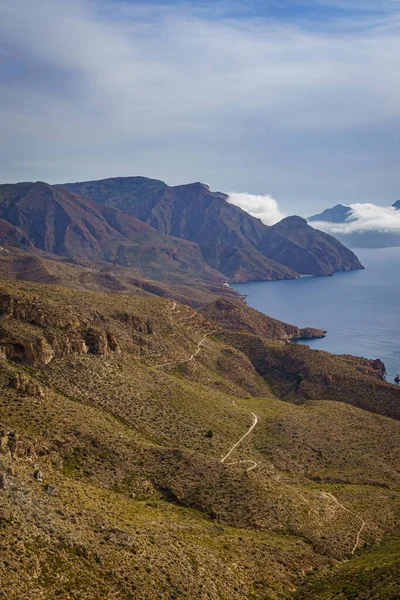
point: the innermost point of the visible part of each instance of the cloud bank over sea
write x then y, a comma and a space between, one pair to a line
364, 217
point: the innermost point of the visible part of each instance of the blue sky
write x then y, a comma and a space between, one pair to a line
296, 100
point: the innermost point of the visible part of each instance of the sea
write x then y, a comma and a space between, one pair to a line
360, 310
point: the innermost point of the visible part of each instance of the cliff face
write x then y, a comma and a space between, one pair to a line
232, 241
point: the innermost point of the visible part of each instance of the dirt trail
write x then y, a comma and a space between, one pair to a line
191, 357
352, 513
171, 307
254, 464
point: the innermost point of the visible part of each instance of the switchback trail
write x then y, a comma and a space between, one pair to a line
352, 513
191, 357
187, 360
254, 464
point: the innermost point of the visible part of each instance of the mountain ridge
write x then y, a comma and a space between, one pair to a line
57, 222
232, 241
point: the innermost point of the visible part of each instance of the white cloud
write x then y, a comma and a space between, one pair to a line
96, 88
364, 217
262, 207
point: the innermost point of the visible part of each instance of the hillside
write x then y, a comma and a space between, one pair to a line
53, 221
373, 575
77, 274
120, 471
232, 241
232, 314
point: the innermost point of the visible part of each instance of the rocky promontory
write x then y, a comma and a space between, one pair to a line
237, 316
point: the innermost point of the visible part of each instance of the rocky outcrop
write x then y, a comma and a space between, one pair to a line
25, 385
100, 342
31, 351
141, 324
33, 332
309, 333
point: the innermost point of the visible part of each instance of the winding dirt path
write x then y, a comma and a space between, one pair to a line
329, 495
236, 462
191, 357
171, 307
253, 463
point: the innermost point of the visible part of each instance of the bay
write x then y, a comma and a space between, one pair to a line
358, 309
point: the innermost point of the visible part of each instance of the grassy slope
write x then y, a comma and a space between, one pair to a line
145, 509
104, 277
375, 574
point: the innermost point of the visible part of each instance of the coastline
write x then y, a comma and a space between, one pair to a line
356, 307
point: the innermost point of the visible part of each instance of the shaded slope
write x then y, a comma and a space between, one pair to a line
298, 373
308, 250
374, 575
65, 224
231, 240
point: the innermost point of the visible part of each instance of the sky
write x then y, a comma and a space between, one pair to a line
289, 106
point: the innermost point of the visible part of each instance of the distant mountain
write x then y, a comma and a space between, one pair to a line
232, 241
337, 214
357, 238
38, 216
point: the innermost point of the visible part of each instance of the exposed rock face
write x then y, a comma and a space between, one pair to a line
232, 241
31, 352
140, 324
309, 333
24, 385
33, 333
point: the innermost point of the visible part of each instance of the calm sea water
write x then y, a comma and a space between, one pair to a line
360, 310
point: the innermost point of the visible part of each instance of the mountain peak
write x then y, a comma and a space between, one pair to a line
337, 214
293, 222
